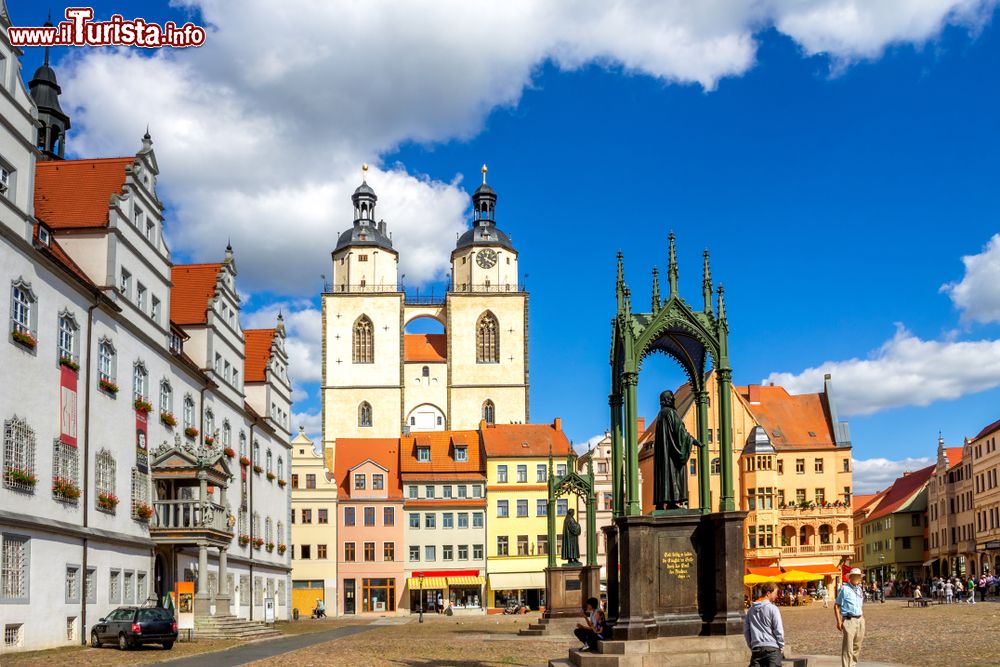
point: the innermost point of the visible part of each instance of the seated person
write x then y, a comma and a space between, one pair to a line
593, 630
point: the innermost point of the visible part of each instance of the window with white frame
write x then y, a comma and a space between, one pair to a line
140, 490
138, 218
270, 461
281, 469
115, 587
209, 423
151, 232
243, 523
256, 453
243, 444
281, 533
166, 397
6, 173
18, 455
72, 584
141, 296
125, 284
65, 471
188, 412
140, 382
218, 363
227, 434
22, 308
90, 585
256, 524
106, 360
104, 480
67, 339
154, 310
15, 553
268, 531
128, 587
140, 587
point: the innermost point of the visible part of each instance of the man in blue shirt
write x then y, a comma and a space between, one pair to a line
850, 619
763, 630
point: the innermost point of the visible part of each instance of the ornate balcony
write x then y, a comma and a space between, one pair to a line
814, 512
185, 521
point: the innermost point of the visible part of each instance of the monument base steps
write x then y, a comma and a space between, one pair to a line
720, 651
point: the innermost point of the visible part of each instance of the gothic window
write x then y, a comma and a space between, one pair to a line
270, 462
365, 414
487, 339
281, 469
67, 337
268, 531
18, 455
209, 424
281, 533
364, 345
140, 490
106, 361
166, 397
188, 412
65, 469
256, 453
243, 444
489, 412
22, 308
140, 381
105, 481
227, 434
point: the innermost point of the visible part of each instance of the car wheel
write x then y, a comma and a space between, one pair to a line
123, 642
167, 646
94, 640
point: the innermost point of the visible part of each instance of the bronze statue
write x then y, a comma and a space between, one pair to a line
571, 539
671, 451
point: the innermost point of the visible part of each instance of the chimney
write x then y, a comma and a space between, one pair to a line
641, 422
557, 424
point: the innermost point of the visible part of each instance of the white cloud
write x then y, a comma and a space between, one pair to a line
260, 132
312, 422
977, 294
582, 448
871, 475
905, 370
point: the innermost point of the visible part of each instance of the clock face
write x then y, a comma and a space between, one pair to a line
486, 258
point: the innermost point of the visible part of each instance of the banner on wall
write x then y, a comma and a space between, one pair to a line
67, 406
141, 451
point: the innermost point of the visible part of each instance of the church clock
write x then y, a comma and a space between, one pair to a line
486, 258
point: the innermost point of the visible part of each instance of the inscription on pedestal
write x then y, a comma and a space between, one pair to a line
573, 584
678, 574
678, 563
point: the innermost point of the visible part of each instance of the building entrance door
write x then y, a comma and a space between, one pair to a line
349, 596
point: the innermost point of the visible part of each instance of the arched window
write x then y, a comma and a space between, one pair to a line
243, 444
227, 434
270, 462
166, 398
188, 412
256, 525
106, 361
105, 481
425, 372
18, 455
365, 414
67, 337
256, 453
209, 424
268, 531
487, 339
281, 531
489, 412
363, 340
281, 470
716, 466
140, 381
22, 308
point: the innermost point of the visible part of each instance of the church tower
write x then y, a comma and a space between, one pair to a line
55, 123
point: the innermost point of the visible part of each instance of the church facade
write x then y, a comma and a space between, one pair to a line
379, 380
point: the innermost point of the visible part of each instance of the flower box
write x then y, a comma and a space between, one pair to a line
282, 483
191, 432
282, 548
258, 469
209, 440
244, 461
270, 476
168, 419
22, 477
107, 501
143, 512
230, 452
69, 363
24, 338
269, 546
244, 540
108, 386
65, 488
143, 406
258, 542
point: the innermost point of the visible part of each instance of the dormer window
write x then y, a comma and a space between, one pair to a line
461, 454
43, 235
362, 258
423, 454
359, 481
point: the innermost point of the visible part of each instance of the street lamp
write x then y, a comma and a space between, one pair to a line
421, 579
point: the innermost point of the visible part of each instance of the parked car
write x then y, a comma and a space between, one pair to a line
132, 626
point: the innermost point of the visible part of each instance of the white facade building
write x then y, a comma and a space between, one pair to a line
103, 501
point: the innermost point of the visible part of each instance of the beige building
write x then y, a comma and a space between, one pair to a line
379, 379
986, 499
895, 532
601, 455
951, 518
314, 528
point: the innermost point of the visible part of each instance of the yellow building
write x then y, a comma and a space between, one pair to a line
314, 528
794, 458
950, 513
517, 468
986, 456
383, 372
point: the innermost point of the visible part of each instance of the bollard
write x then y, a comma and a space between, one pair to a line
295, 614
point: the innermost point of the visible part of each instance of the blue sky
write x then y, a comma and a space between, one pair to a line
837, 179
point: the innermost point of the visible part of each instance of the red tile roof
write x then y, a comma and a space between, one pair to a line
860, 501
988, 429
76, 193
425, 347
442, 444
353, 451
193, 287
257, 347
901, 491
514, 440
954, 456
792, 421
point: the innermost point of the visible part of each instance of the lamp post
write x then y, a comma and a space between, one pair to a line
421, 578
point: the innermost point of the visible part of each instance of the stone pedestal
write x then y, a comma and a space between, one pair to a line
568, 587
680, 575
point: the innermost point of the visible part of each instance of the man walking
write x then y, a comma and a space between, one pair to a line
763, 630
850, 620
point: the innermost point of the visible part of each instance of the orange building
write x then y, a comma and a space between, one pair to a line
952, 529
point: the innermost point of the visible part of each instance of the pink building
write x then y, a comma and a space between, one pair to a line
369, 526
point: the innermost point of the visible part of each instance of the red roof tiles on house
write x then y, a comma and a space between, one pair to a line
425, 347
988, 429
514, 440
353, 451
73, 194
59, 255
859, 501
792, 420
901, 491
442, 445
954, 455
257, 349
193, 287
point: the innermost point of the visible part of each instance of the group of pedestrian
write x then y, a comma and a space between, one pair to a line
765, 634
951, 590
